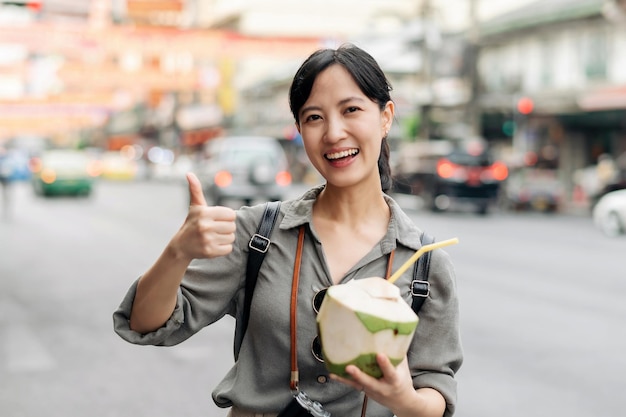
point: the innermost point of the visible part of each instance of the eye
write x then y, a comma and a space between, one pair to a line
312, 118
352, 109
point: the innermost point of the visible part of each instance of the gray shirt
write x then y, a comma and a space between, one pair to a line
259, 379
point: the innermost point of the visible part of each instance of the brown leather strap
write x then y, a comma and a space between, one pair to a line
364, 407
389, 264
387, 275
295, 378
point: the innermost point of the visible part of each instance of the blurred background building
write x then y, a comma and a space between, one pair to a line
539, 80
553, 81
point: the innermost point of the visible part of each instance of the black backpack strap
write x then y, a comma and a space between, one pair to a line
259, 244
420, 287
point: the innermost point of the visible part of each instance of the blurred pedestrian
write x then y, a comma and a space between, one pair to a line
610, 176
6, 177
620, 166
606, 170
341, 103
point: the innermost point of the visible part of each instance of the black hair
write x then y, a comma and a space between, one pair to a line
366, 73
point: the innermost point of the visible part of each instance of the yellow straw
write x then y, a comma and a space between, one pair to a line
420, 252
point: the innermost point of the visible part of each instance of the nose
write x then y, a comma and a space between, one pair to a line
335, 130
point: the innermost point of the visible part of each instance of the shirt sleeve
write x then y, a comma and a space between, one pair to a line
121, 319
436, 353
210, 289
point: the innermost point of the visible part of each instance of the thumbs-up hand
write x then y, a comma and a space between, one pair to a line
207, 232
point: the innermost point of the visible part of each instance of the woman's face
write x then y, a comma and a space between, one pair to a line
342, 129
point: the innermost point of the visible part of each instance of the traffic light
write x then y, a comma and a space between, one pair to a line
525, 105
508, 128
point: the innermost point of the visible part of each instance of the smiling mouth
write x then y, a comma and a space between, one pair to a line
334, 156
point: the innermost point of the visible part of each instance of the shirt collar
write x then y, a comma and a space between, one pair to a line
401, 228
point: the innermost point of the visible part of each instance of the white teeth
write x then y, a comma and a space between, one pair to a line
342, 154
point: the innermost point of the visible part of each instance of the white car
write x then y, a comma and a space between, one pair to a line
609, 214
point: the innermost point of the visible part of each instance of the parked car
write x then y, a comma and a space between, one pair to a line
245, 169
447, 173
609, 214
469, 174
14, 165
64, 172
534, 189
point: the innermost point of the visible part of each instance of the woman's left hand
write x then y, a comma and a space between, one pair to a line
395, 384
394, 389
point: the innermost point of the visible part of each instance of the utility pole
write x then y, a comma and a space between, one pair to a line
473, 113
426, 106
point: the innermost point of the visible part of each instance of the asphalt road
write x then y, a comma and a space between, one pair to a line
543, 316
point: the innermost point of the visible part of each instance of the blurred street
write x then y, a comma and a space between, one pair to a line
542, 303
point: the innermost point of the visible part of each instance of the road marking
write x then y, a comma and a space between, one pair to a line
24, 350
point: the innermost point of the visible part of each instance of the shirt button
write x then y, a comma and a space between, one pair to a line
322, 379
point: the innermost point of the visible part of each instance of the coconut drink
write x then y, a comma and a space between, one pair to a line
361, 318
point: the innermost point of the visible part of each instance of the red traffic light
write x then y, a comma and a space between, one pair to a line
525, 105
35, 6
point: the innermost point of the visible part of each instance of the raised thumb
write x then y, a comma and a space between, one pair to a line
196, 196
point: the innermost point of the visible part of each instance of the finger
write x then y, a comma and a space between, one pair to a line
223, 214
221, 250
385, 365
357, 386
196, 196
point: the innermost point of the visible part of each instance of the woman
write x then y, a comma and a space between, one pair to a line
342, 107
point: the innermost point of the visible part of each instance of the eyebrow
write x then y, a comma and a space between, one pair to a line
341, 102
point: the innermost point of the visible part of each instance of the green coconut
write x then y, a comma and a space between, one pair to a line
361, 318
